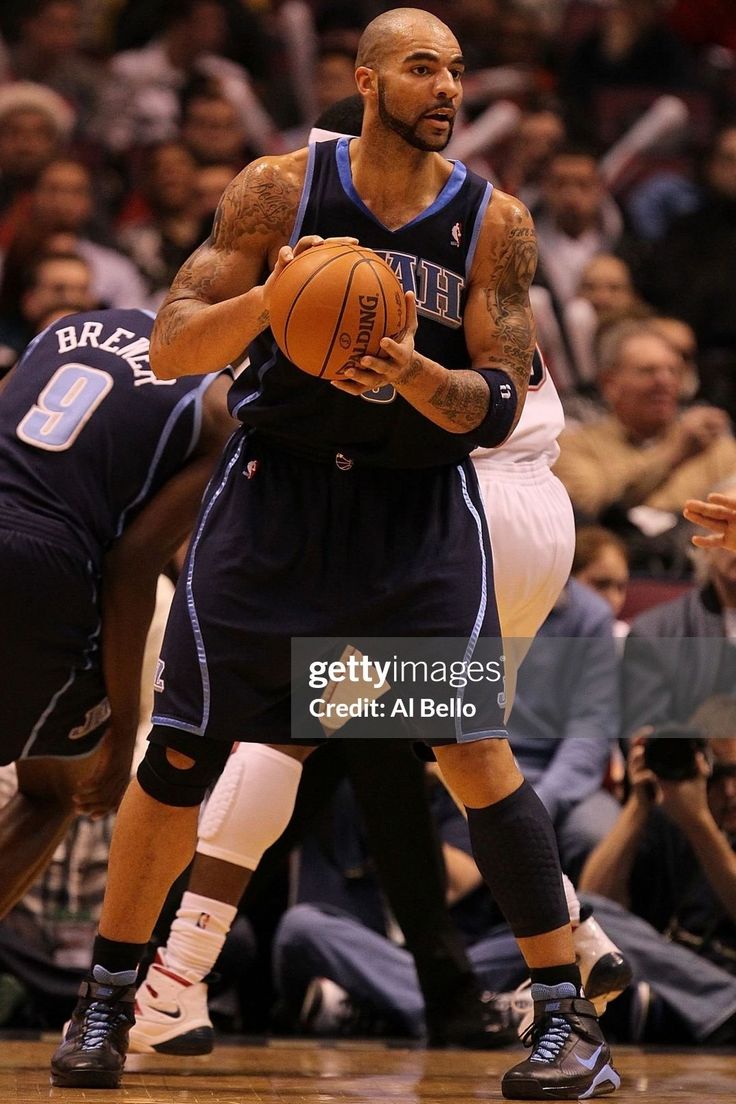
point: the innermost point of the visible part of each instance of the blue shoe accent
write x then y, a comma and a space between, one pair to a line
607, 1074
122, 977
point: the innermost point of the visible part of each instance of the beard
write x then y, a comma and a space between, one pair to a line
409, 131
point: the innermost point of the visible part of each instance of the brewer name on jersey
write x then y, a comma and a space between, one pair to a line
112, 339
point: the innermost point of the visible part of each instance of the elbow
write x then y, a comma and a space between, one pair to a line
164, 364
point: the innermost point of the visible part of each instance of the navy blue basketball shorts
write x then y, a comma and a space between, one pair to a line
53, 701
287, 547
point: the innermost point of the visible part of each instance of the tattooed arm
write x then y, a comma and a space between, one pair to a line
216, 304
498, 325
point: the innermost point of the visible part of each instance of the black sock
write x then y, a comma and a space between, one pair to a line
557, 975
116, 957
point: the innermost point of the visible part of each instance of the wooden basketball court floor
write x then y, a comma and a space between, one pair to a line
307, 1073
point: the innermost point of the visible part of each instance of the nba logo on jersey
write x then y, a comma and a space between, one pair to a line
457, 235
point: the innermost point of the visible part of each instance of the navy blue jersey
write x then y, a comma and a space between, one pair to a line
88, 435
432, 256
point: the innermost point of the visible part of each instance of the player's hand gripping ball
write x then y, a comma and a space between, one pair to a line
331, 306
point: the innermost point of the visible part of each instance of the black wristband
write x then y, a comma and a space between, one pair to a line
495, 427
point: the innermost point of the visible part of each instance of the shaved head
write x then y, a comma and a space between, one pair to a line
394, 29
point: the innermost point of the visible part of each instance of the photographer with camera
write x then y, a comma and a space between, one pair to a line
663, 881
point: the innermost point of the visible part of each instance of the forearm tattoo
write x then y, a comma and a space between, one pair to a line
463, 399
508, 304
259, 205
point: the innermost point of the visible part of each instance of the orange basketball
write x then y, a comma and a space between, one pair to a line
332, 305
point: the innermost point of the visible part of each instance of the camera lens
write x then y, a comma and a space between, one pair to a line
670, 752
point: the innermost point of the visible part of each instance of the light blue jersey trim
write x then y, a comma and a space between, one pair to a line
452, 186
171, 722
482, 208
160, 447
306, 189
192, 607
46, 714
475, 632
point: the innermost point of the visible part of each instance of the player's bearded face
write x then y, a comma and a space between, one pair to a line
415, 130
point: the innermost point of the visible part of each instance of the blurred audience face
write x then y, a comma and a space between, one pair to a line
27, 143
608, 574
606, 284
170, 185
682, 338
334, 78
643, 387
722, 789
60, 283
721, 168
212, 130
538, 136
201, 30
721, 565
62, 198
210, 182
54, 30
519, 37
573, 192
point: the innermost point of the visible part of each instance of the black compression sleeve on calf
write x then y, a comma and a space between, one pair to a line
515, 848
501, 409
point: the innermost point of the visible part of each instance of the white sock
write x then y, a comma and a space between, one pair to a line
573, 904
197, 935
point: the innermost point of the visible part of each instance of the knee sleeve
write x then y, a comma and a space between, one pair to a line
182, 787
250, 806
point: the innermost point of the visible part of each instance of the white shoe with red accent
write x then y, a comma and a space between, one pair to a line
171, 1015
604, 971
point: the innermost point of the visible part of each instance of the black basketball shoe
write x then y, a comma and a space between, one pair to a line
570, 1059
92, 1053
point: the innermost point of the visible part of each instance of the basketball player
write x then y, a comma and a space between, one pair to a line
102, 467
347, 508
717, 514
171, 1004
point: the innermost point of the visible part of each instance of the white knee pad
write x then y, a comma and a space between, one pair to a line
250, 806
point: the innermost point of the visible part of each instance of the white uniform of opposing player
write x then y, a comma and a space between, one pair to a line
530, 521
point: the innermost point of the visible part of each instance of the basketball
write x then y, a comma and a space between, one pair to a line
332, 305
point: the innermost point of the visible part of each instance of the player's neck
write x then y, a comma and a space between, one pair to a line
394, 180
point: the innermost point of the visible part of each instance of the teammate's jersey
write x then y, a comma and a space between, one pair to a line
542, 421
432, 255
88, 435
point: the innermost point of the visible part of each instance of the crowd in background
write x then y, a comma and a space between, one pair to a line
121, 122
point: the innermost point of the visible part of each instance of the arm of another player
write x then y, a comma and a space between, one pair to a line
717, 514
130, 576
217, 305
499, 333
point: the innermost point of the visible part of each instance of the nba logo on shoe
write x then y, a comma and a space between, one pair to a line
456, 235
203, 921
